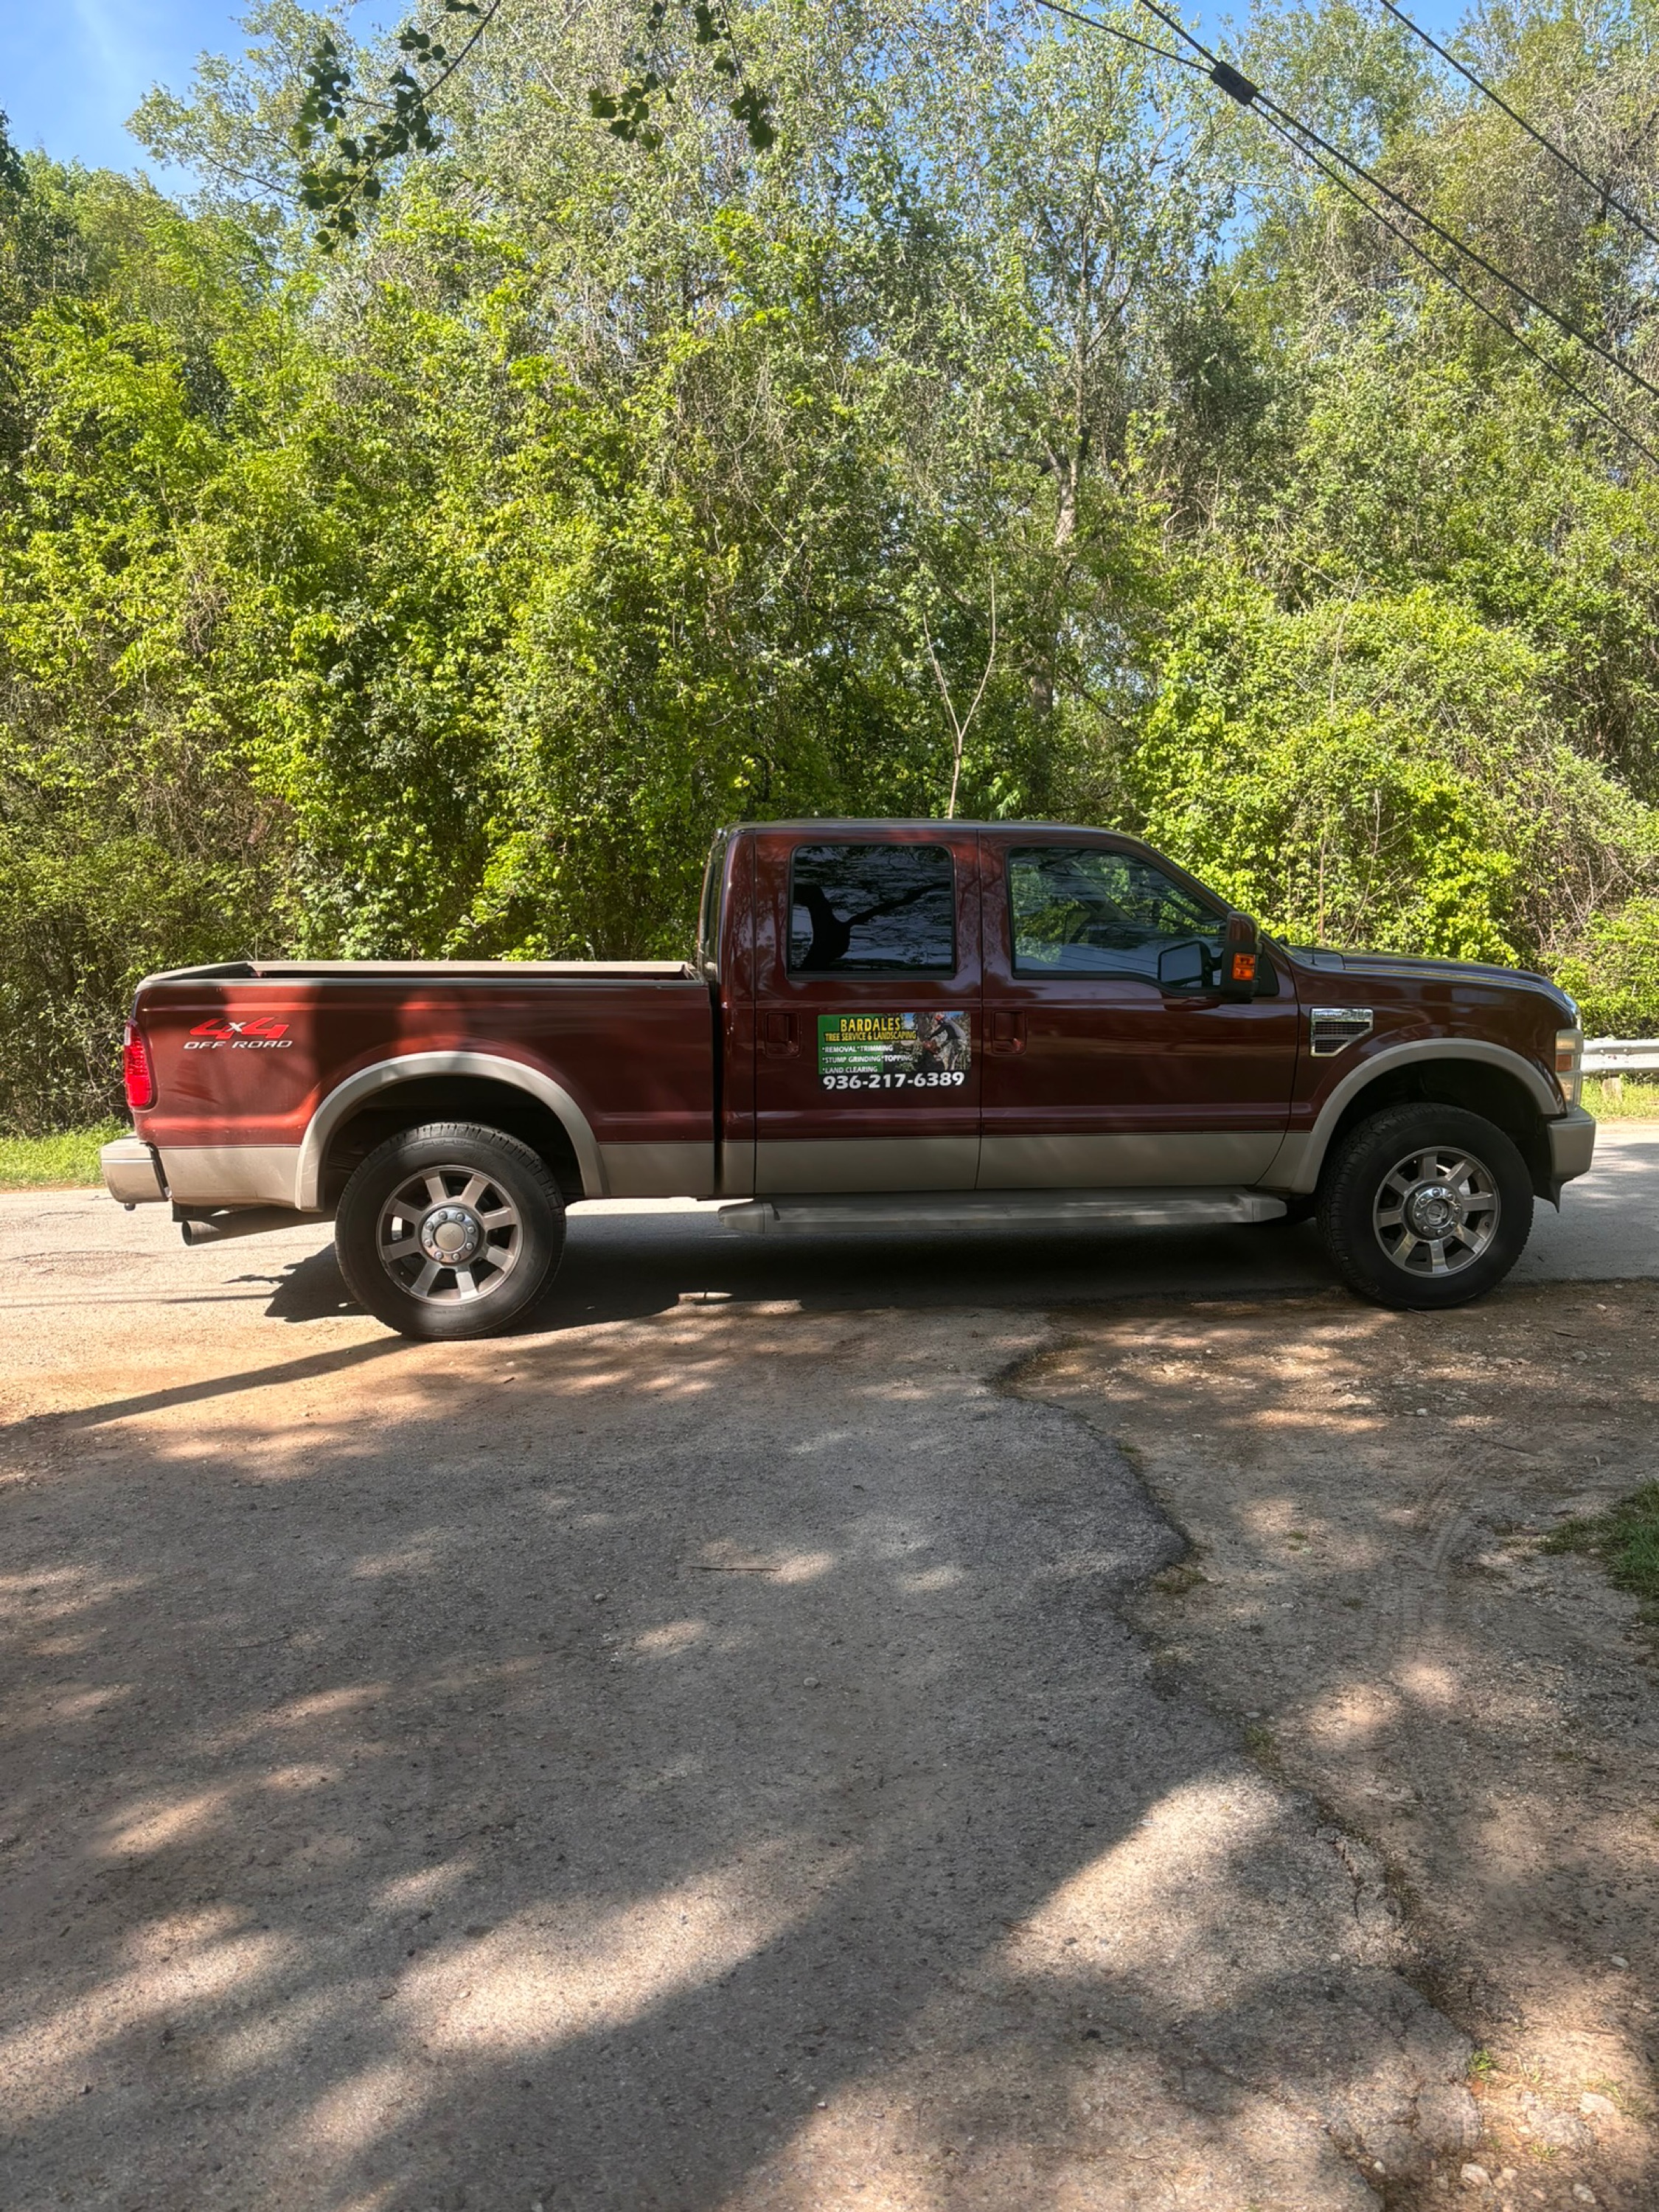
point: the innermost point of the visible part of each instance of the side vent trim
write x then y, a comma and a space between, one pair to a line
1331, 1029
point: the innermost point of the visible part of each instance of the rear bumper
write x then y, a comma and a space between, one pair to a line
1572, 1146
132, 1172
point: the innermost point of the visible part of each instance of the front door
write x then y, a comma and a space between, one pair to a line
1097, 1073
866, 1010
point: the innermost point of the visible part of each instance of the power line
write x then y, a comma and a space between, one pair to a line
1460, 246
1181, 61
1454, 283
1548, 144
1226, 78
1240, 88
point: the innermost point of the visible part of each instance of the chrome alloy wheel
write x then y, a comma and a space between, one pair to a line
1437, 1211
449, 1235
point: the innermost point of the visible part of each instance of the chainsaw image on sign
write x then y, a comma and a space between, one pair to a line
893, 1052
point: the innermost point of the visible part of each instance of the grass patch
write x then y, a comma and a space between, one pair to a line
65, 1162
1636, 1098
1625, 1539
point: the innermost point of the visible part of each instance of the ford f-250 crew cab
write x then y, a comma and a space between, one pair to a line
884, 1022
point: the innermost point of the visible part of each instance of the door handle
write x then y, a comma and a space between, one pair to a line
778, 1035
1006, 1033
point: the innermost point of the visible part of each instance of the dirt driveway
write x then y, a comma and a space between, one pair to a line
1365, 1495
763, 1744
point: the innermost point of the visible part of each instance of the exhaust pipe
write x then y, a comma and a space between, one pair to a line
202, 1224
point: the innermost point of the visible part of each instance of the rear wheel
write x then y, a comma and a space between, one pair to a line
1424, 1207
449, 1230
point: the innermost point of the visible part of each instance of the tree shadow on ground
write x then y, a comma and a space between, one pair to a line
1366, 1493
687, 1761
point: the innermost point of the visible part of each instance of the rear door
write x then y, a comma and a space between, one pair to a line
866, 1010
1096, 1075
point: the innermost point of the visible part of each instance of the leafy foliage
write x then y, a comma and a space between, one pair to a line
1380, 769
436, 586
627, 112
345, 145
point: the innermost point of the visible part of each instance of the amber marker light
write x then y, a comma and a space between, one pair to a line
1568, 1073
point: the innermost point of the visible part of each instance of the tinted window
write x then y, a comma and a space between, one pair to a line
858, 910
1080, 911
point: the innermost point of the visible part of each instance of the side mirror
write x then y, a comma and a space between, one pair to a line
1185, 966
1241, 956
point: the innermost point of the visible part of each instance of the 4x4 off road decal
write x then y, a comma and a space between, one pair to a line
259, 1034
893, 1052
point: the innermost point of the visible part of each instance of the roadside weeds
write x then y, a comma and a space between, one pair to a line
67, 1160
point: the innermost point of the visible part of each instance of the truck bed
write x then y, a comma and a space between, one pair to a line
264, 1069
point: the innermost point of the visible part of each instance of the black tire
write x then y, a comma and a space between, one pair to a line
1383, 1193
449, 1230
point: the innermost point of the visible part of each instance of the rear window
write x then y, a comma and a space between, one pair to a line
872, 910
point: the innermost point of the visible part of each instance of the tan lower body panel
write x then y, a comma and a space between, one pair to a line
1295, 1166
232, 1175
658, 1170
1572, 1144
856, 1163
1127, 1159
737, 1169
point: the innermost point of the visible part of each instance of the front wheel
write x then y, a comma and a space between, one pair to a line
449, 1230
1424, 1207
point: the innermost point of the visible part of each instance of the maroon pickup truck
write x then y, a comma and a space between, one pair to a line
886, 1023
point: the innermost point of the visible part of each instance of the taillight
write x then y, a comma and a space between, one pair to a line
138, 1069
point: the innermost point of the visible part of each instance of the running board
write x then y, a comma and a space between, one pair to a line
869, 1214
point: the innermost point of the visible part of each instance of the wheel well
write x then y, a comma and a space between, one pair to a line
450, 1099
1502, 1098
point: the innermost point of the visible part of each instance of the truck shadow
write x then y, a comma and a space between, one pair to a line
623, 1268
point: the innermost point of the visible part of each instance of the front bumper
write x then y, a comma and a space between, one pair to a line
1572, 1146
132, 1172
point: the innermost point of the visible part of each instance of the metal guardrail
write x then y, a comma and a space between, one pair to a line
1620, 1056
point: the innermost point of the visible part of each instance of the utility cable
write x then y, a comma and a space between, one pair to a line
1219, 71
1238, 87
1549, 145
1162, 53
1455, 284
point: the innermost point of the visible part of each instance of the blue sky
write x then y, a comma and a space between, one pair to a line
72, 71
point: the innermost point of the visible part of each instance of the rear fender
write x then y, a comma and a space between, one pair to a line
379, 1081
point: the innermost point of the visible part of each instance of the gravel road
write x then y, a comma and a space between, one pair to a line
691, 1754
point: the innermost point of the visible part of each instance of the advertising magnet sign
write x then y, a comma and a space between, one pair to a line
893, 1052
